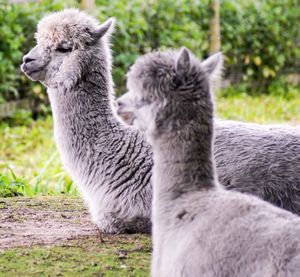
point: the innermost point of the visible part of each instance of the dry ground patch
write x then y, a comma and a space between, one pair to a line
53, 236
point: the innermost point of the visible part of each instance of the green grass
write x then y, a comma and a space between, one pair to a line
260, 108
11, 187
28, 155
30, 162
117, 256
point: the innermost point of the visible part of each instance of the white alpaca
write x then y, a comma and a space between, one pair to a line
199, 228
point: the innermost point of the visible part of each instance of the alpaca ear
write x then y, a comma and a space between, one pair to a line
213, 65
183, 63
106, 27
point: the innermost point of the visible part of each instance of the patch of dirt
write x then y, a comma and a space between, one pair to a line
43, 221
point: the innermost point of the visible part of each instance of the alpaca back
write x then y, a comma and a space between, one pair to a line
221, 233
261, 160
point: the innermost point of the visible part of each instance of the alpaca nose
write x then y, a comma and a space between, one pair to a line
120, 106
120, 103
27, 59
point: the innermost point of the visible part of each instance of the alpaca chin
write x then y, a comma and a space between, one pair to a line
67, 83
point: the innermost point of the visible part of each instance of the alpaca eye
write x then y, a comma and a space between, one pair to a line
63, 50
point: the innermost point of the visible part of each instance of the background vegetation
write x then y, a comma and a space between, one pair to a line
260, 39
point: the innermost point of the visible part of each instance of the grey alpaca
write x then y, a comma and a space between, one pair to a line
199, 228
111, 162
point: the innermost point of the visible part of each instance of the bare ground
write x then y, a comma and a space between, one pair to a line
43, 221
53, 236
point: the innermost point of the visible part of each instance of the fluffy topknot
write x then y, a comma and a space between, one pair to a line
68, 25
161, 74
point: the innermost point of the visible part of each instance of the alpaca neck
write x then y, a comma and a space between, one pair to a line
88, 106
184, 163
84, 118
102, 155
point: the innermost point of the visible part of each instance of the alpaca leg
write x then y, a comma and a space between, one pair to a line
108, 223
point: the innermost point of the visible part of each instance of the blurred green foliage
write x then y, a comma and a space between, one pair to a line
10, 187
29, 161
261, 39
146, 25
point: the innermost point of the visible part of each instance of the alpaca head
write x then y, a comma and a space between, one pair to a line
67, 43
167, 90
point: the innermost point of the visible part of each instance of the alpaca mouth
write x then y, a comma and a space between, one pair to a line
33, 73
